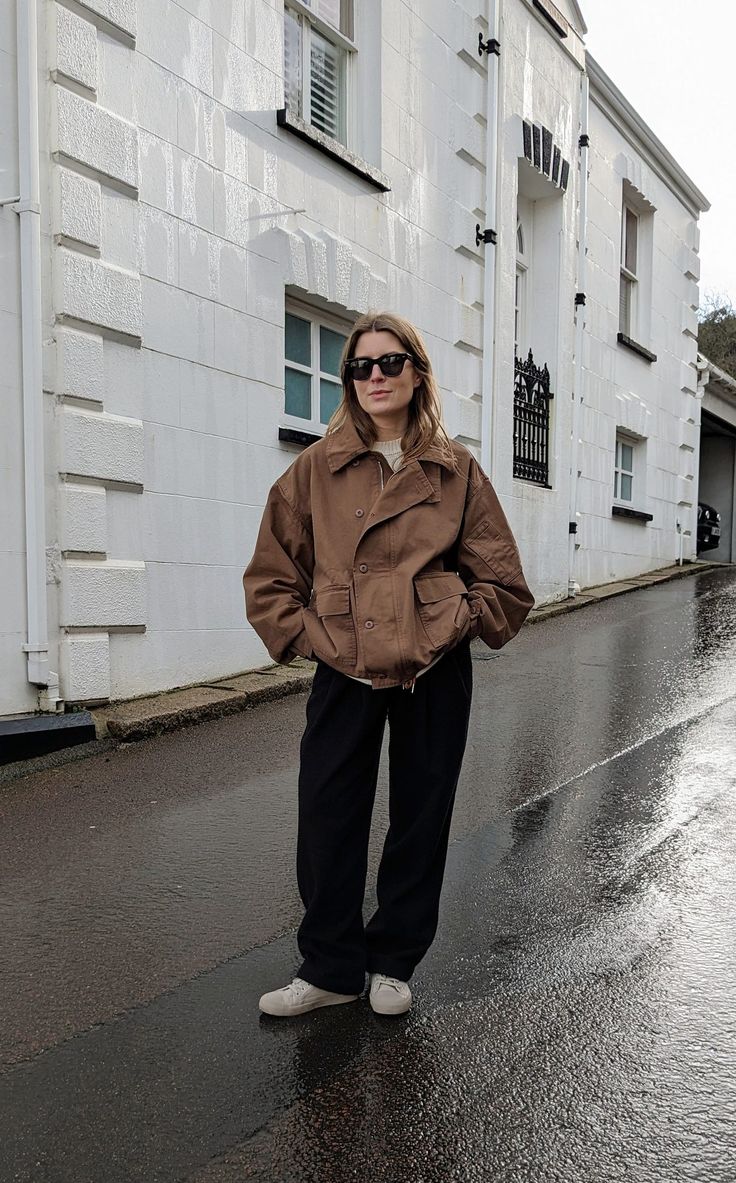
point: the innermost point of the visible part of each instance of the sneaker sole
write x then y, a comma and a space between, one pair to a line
336, 1000
400, 1010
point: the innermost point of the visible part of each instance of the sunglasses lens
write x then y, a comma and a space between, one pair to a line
390, 365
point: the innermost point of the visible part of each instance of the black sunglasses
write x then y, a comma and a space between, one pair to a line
390, 365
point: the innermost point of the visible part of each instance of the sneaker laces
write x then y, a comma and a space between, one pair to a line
298, 987
383, 980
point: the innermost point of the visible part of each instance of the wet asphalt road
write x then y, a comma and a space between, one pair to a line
574, 1021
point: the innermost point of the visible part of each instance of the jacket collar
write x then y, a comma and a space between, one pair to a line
345, 444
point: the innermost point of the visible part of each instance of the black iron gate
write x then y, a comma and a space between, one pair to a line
532, 397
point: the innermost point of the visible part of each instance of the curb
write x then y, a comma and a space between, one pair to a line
117, 724
143, 718
606, 591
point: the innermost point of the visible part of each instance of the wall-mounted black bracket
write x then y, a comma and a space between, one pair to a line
573, 528
579, 299
584, 141
484, 236
489, 46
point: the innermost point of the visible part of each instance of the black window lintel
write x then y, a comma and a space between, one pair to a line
332, 148
294, 435
623, 511
635, 347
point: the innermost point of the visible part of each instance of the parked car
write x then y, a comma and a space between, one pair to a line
709, 527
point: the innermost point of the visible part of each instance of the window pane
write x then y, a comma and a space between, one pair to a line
625, 487
330, 351
329, 397
292, 62
627, 457
615, 484
328, 87
632, 226
329, 10
624, 306
298, 347
298, 394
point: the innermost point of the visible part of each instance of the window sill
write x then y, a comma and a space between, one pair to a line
635, 347
623, 511
295, 435
333, 149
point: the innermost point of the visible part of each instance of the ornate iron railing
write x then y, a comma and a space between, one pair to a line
531, 421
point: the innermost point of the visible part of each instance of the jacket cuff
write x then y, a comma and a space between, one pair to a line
299, 647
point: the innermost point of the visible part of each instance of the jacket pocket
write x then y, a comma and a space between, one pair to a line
498, 551
442, 603
330, 626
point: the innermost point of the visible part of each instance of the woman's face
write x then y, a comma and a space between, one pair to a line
385, 399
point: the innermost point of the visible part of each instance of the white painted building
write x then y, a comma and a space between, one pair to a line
195, 247
717, 485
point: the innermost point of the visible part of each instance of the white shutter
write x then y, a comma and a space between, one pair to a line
327, 87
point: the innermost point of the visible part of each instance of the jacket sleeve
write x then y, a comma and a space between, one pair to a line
278, 579
490, 567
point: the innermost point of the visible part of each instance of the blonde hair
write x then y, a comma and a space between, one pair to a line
425, 425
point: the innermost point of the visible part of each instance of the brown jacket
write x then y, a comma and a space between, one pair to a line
376, 572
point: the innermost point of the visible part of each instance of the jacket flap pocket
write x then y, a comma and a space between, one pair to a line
438, 585
332, 601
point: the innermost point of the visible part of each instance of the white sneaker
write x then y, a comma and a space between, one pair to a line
300, 996
389, 996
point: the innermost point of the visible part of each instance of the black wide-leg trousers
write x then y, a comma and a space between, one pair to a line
340, 753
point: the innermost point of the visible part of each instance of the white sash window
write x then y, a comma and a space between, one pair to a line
318, 52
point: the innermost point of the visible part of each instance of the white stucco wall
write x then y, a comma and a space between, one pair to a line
170, 243
172, 254
656, 401
540, 84
15, 693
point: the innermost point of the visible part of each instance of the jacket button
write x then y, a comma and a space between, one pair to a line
363, 568
359, 513
369, 624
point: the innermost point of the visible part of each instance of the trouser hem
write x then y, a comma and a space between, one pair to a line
392, 969
336, 985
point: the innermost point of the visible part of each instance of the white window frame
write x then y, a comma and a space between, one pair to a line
624, 440
343, 40
520, 289
629, 280
317, 319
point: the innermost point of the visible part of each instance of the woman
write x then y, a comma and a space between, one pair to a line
382, 552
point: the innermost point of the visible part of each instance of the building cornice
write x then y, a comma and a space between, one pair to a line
718, 379
609, 99
579, 16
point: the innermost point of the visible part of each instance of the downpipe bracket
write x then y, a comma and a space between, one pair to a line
485, 236
490, 46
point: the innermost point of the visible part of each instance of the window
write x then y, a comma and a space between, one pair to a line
312, 385
520, 291
628, 291
635, 272
318, 51
623, 481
